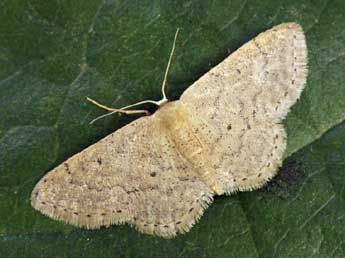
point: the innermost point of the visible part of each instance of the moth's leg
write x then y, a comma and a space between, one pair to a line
118, 110
122, 110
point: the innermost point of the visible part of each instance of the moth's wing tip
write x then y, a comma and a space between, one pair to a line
34, 195
288, 25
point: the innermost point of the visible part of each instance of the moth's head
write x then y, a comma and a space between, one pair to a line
162, 103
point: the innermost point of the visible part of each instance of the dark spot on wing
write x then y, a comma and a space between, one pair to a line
67, 168
132, 191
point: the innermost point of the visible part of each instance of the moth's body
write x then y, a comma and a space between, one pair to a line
160, 172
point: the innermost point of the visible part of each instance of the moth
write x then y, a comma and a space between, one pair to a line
160, 172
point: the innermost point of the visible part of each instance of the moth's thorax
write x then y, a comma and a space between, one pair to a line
174, 121
172, 116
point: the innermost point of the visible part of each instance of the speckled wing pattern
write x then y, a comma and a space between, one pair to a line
160, 172
131, 176
237, 107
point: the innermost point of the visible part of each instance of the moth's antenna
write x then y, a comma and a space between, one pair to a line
168, 67
139, 111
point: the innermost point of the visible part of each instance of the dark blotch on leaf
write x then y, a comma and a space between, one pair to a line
290, 174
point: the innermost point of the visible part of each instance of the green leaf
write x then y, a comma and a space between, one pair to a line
53, 54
